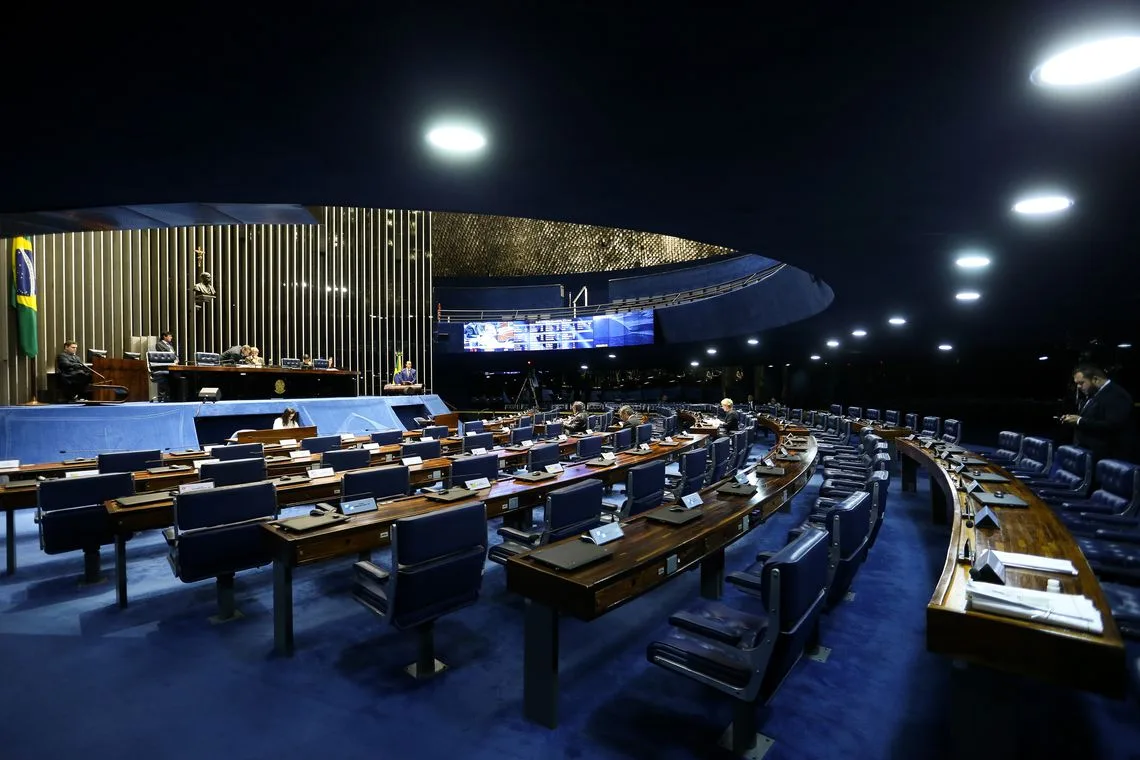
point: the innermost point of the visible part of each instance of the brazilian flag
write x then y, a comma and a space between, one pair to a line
24, 294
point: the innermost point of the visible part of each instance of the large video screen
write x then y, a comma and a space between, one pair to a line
631, 328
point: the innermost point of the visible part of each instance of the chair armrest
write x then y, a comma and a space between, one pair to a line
746, 581
522, 536
702, 626
1120, 536
369, 571
1091, 507
170, 535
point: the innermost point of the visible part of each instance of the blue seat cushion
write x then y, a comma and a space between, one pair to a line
721, 622
1110, 555
1124, 601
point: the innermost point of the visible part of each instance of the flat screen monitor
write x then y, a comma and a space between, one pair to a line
631, 328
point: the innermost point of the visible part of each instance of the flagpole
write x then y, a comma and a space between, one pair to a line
34, 401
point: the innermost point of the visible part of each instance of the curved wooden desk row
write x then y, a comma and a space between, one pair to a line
648, 555
1080, 660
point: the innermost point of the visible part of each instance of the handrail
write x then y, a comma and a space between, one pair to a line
637, 304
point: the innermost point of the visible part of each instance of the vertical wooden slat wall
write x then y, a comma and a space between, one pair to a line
356, 287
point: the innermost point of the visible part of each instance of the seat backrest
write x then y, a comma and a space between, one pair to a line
931, 426
346, 459
645, 487
377, 482
207, 359
720, 450
693, 466
472, 468
1073, 469
438, 560
233, 472
852, 519
623, 439
473, 426
422, 449
553, 429
238, 451
387, 437
855, 411
572, 509
794, 591
836, 409
541, 455
520, 434
436, 431
65, 493
1010, 445
892, 417
1036, 455
952, 431
159, 359
872, 414
643, 433
478, 441
912, 421
319, 444
214, 507
129, 461
1118, 485
590, 446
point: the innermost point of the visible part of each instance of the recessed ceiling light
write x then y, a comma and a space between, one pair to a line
815, 357
972, 261
1124, 345
1043, 204
613, 356
455, 138
859, 333
897, 321
694, 363
771, 366
1042, 358
945, 347
1090, 63
585, 367
788, 364
833, 343
968, 295
710, 350
753, 341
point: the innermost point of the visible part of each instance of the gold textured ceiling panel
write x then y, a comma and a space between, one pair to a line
474, 245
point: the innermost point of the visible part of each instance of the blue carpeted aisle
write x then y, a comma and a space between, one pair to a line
81, 678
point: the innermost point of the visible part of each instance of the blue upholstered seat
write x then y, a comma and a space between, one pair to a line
952, 431
1117, 493
387, 437
72, 517
569, 511
319, 444
1009, 448
1124, 601
747, 653
238, 451
157, 363
439, 559
931, 426
234, 471
346, 459
1036, 457
892, 417
912, 421
848, 526
1071, 478
129, 461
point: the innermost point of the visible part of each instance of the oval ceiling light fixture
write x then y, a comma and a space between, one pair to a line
1042, 358
968, 295
710, 351
897, 321
1090, 63
945, 347
584, 366
814, 357
1042, 205
833, 343
1124, 345
972, 261
613, 356
694, 363
859, 332
456, 138
753, 341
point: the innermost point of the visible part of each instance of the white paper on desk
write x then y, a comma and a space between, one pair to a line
1073, 611
1033, 562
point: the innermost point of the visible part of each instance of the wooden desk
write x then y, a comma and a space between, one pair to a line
648, 555
130, 373
362, 533
401, 389
1079, 660
244, 382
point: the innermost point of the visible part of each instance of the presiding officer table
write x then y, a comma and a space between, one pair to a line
246, 383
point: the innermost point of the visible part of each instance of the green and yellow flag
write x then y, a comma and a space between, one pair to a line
399, 364
24, 294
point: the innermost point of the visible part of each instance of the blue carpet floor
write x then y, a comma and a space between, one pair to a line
82, 678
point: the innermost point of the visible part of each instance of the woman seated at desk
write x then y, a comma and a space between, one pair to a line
254, 357
288, 419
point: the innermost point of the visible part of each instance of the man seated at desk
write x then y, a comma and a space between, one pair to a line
629, 418
235, 355
406, 376
73, 375
578, 420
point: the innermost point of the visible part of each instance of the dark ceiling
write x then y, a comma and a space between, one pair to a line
866, 143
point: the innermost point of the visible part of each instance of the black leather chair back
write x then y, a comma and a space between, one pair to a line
71, 512
377, 482
129, 461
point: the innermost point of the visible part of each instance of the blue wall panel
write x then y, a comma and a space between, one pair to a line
51, 433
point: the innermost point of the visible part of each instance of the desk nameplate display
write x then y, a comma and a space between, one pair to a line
477, 483
410, 461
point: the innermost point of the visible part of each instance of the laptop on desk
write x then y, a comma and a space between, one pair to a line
571, 555
674, 515
537, 475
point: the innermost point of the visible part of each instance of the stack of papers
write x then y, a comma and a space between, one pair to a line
1073, 611
1033, 562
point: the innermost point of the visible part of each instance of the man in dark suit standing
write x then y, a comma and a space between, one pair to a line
1102, 427
73, 375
